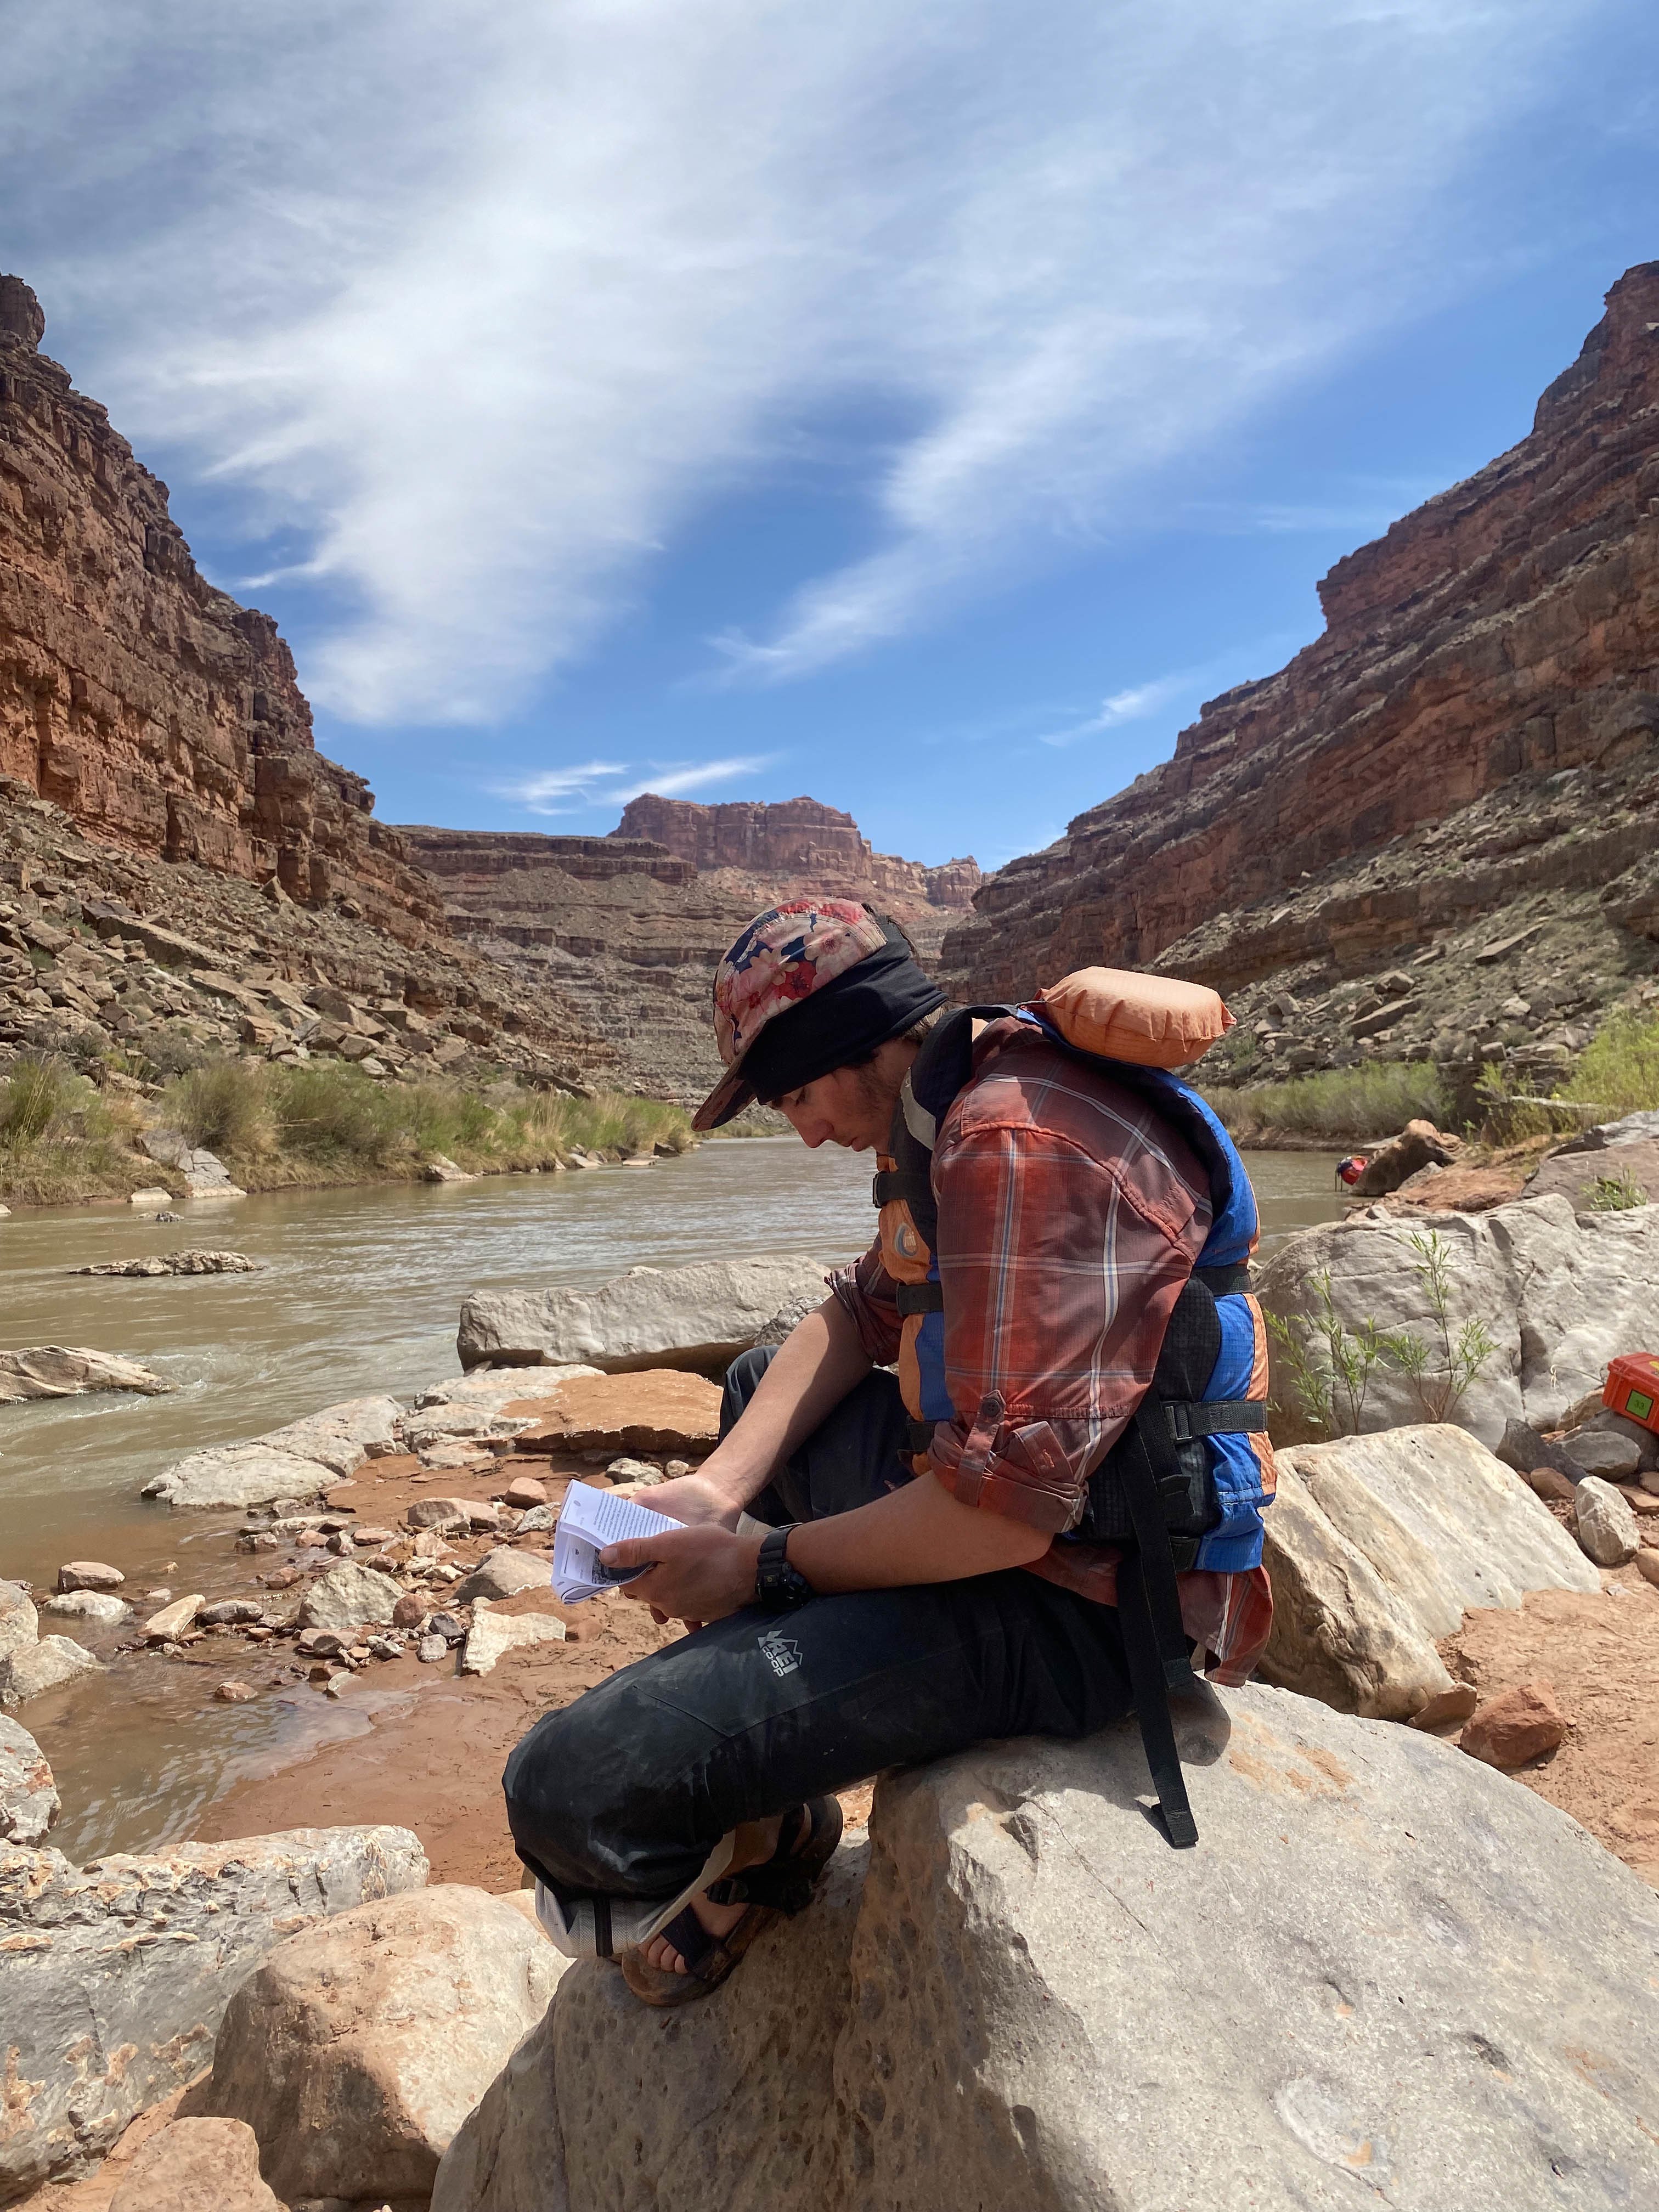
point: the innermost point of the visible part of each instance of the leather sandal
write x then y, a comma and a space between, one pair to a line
775, 1889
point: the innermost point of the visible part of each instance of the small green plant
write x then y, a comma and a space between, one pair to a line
1332, 1366
1441, 1371
1338, 1106
1333, 1394
39, 1092
1615, 1194
224, 1106
1619, 1070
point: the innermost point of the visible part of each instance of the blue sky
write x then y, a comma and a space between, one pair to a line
922, 406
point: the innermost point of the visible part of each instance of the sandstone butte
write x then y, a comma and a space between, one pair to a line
629, 927
1470, 752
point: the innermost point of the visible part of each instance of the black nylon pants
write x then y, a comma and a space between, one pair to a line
627, 1791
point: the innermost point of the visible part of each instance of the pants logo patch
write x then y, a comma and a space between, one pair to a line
782, 1652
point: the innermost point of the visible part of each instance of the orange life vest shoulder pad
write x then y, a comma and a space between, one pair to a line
1151, 1021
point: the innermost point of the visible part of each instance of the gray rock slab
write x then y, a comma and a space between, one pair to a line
356, 2048
28, 1797
33, 1669
502, 1573
1598, 1451
118, 1973
494, 1387
1387, 1975
300, 1460
20, 1624
1377, 1546
1561, 1295
61, 1370
493, 1635
698, 1317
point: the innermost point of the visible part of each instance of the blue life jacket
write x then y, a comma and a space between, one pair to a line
1187, 1484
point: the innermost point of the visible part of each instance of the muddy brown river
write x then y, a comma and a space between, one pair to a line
360, 1291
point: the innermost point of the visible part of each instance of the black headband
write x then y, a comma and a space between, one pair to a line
882, 996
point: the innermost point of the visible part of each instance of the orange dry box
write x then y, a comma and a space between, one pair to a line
1633, 1388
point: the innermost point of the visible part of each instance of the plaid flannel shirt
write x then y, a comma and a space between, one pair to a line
1069, 1217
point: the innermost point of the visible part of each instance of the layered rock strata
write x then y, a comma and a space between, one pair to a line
629, 928
1434, 830
161, 716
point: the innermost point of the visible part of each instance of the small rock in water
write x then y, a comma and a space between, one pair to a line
86, 1605
1521, 1725
431, 1649
262, 1541
172, 1620
228, 1611
88, 1575
234, 1693
343, 1543
311, 1539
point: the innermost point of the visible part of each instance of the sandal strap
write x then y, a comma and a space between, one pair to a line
695, 1944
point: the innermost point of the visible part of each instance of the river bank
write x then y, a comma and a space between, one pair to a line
358, 1293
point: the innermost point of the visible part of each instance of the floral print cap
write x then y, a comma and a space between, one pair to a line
781, 957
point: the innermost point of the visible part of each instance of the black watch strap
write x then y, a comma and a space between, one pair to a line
779, 1587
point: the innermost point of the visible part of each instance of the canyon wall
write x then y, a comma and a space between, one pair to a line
159, 715
1473, 742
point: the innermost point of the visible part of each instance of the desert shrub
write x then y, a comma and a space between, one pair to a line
224, 1105
1615, 1194
1340, 1105
41, 1094
332, 1115
1619, 1069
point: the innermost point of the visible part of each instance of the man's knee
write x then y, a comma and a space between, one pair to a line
742, 1381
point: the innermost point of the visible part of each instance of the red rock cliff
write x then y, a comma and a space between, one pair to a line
796, 840
1507, 631
161, 716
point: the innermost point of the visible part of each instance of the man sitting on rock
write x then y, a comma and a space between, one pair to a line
881, 1568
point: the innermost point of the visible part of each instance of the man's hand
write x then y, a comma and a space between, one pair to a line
692, 1498
697, 1574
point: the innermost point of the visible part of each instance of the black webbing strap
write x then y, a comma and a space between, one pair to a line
920, 1434
899, 1184
1219, 1417
1149, 1611
919, 1298
602, 1942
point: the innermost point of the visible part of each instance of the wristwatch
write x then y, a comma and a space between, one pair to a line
779, 1587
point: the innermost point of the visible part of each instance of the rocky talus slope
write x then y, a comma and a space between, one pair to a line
101, 949
1435, 830
629, 927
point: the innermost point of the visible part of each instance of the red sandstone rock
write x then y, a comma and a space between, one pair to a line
1515, 1727
788, 840
657, 1410
1503, 630
157, 713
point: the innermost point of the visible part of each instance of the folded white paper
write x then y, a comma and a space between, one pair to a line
589, 1520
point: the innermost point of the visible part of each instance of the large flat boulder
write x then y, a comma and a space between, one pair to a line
1561, 1293
1377, 1546
358, 2047
699, 1317
300, 1461
1386, 1974
20, 1623
652, 1410
66, 1370
33, 1669
116, 1975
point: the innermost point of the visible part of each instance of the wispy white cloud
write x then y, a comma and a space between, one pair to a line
478, 305
1133, 705
595, 784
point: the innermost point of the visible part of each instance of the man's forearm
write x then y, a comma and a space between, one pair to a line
918, 1533
812, 1371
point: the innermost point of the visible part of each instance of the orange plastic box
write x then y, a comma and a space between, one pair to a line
1633, 1388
